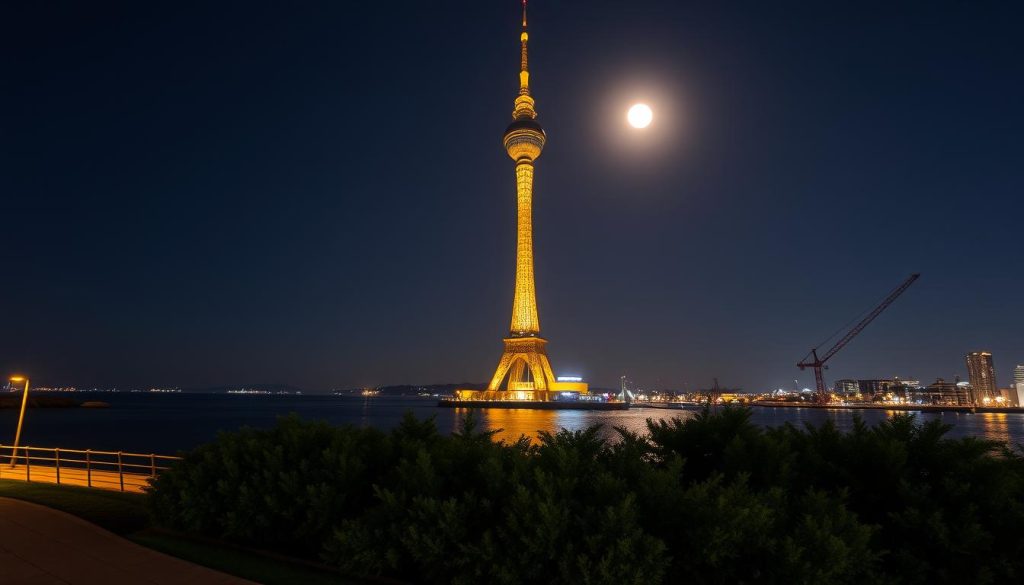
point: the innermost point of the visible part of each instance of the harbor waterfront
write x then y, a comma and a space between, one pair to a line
169, 423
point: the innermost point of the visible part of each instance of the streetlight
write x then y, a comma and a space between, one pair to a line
21, 417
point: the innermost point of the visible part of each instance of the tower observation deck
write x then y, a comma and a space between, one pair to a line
524, 372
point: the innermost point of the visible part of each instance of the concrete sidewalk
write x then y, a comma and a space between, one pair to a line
42, 546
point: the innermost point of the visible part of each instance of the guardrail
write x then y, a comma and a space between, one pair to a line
110, 470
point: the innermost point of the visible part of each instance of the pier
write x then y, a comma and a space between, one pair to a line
536, 404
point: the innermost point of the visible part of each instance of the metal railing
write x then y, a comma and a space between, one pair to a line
111, 470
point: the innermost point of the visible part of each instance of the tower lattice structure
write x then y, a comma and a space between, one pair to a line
524, 371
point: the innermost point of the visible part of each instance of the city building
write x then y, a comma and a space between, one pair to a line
1018, 374
847, 387
966, 387
1008, 396
943, 393
875, 388
982, 374
524, 372
904, 389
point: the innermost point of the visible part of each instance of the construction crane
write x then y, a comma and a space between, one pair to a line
812, 360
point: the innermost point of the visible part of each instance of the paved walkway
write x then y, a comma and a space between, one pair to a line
42, 546
106, 480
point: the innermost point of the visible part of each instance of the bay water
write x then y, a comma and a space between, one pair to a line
170, 423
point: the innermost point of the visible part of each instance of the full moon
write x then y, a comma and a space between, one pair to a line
640, 116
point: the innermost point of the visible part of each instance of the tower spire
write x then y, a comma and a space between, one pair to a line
524, 103
524, 82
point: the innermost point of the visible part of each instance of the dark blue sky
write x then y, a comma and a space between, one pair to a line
315, 193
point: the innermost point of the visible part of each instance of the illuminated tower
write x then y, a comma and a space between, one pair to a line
524, 372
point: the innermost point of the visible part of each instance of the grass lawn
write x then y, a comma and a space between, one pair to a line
126, 514
239, 563
120, 513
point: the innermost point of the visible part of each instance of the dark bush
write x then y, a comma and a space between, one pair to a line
281, 488
713, 499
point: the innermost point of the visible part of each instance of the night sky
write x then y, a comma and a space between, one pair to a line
315, 193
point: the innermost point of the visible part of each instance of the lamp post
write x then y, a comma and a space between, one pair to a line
21, 417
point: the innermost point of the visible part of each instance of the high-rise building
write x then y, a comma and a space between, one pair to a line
982, 374
1018, 374
524, 372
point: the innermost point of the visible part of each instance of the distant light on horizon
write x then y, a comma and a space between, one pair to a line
570, 378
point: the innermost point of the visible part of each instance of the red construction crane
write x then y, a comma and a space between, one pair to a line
812, 360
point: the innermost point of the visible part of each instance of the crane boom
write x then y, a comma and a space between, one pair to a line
819, 362
871, 317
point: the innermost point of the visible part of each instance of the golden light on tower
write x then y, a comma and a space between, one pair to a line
524, 372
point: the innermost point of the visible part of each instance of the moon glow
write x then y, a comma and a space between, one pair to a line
640, 116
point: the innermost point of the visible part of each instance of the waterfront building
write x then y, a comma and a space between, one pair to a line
847, 387
982, 374
904, 389
1018, 374
943, 393
966, 388
875, 388
1008, 396
524, 372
